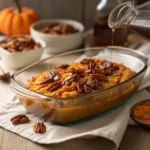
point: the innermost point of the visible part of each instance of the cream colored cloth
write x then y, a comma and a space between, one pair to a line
109, 128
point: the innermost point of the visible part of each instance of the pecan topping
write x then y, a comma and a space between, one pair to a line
93, 83
45, 80
76, 70
88, 85
19, 119
63, 66
86, 61
70, 79
109, 71
100, 77
52, 76
80, 88
106, 64
91, 67
55, 86
39, 127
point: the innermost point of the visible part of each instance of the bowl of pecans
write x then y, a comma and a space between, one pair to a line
20, 50
60, 35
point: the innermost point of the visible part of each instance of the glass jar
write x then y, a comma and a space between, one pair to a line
102, 33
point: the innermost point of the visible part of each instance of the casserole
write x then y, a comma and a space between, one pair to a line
63, 110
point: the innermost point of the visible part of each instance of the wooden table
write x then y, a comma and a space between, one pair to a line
135, 138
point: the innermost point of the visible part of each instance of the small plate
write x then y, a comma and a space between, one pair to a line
135, 118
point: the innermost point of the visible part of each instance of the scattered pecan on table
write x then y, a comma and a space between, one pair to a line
52, 76
39, 127
19, 119
5, 77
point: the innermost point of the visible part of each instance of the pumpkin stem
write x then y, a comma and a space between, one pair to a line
17, 8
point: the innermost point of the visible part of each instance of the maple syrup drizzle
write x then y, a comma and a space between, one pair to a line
112, 40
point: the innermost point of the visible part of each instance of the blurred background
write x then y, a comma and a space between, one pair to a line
80, 10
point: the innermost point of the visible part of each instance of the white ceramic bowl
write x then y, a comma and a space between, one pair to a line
21, 59
58, 43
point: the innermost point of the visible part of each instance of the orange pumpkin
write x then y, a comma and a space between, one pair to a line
17, 20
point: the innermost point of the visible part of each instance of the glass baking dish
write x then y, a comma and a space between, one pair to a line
64, 110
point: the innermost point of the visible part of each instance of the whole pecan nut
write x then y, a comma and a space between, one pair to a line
39, 127
19, 119
5, 77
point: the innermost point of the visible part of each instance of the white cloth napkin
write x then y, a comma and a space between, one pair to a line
110, 127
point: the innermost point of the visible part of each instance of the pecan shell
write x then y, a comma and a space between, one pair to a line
39, 127
19, 119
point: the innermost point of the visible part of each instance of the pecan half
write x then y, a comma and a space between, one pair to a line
19, 119
91, 67
100, 77
80, 88
110, 71
46, 80
39, 127
76, 70
70, 79
55, 86
86, 61
5, 77
106, 64
63, 66
52, 76
87, 89
93, 83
